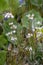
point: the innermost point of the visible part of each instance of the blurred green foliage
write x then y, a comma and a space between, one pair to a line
2, 57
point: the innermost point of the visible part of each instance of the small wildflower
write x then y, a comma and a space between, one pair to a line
29, 35
11, 23
8, 33
14, 26
13, 38
14, 31
30, 49
38, 34
38, 28
38, 22
8, 15
28, 15
27, 48
33, 15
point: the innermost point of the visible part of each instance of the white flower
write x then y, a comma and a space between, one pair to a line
29, 35
8, 33
14, 26
32, 15
27, 48
30, 49
11, 15
38, 22
9, 49
11, 32
14, 31
28, 15
39, 34
11, 23
13, 38
38, 28
8, 15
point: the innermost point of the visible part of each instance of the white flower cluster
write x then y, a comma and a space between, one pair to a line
8, 15
30, 16
38, 34
13, 28
13, 38
10, 33
28, 48
12, 25
38, 22
38, 28
29, 35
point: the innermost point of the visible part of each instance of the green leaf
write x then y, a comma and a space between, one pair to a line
37, 2
3, 5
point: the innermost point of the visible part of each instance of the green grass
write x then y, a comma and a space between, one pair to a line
2, 57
